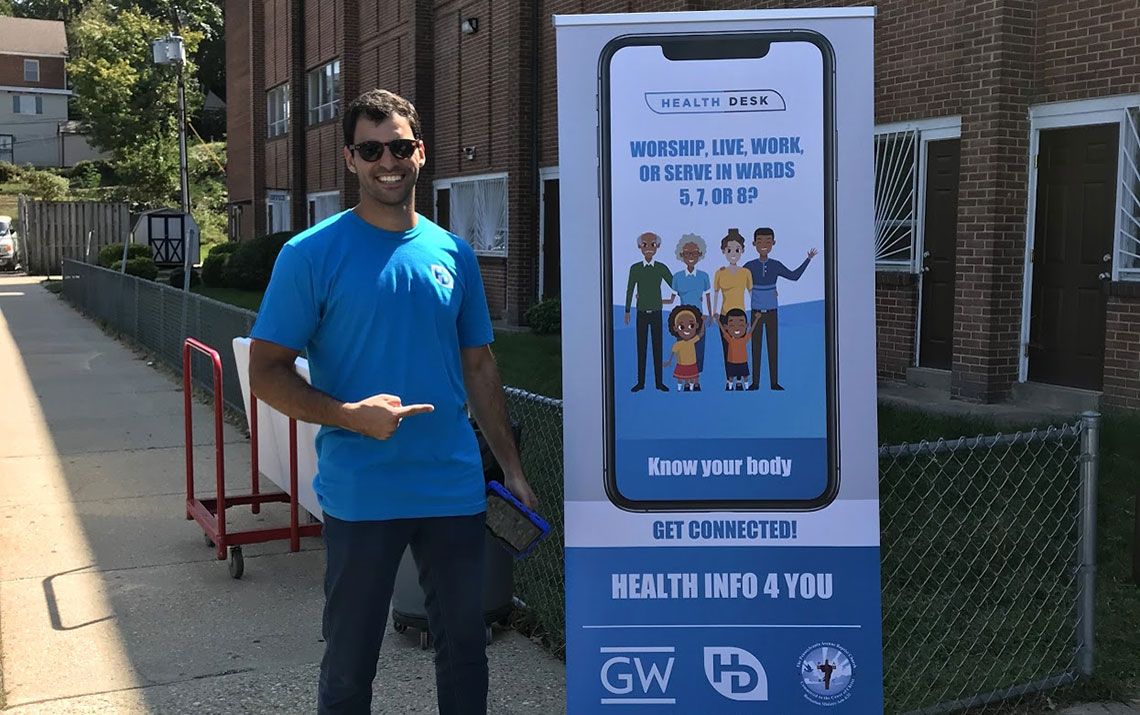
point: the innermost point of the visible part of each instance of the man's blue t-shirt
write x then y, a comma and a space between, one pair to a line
385, 313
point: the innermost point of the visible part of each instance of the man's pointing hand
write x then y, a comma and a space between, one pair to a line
380, 415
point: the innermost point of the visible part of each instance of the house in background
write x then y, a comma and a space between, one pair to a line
34, 126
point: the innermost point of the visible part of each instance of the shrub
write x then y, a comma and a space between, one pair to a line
224, 248
84, 176
251, 263
545, 317
176, 276
9, 172
141, 267
112, 253
46, 185
100, 172
214, 268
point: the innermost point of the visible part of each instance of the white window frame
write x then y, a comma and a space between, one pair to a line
452, 182
320, 199
32, 65
278, 209
1059, 115
549, 173
927, 130
323, 92
277, 111
19, 105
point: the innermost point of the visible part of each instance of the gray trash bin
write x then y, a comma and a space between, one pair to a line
408, 611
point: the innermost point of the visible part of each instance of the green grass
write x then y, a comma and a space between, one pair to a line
248, 299
530, 362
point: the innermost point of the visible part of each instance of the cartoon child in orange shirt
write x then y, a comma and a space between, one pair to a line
736, 332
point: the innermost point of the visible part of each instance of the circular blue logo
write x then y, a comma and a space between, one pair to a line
827, 673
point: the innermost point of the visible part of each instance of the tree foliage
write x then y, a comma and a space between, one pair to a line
127, 100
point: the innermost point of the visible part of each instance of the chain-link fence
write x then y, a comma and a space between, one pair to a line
159, 318
988, 566
988, 548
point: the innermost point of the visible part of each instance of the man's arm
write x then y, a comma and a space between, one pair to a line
275, 382
489, 406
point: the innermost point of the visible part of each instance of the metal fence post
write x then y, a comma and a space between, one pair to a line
1090, 463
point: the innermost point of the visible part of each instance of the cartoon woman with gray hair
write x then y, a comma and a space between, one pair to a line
692, 286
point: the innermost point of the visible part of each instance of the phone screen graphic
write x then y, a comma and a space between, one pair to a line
718, 183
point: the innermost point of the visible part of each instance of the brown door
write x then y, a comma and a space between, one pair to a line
551, 243
940, 233
1076, 201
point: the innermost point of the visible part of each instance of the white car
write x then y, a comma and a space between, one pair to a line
9, 245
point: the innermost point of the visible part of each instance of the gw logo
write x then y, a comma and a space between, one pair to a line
736, 674
638, 675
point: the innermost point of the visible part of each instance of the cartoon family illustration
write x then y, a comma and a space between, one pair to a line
723, 302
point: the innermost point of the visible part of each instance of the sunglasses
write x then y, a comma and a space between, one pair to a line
373, 150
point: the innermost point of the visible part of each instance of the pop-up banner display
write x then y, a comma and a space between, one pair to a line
722, 525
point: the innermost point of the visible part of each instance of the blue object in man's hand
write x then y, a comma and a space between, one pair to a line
518, 529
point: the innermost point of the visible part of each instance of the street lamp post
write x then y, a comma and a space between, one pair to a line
171, 50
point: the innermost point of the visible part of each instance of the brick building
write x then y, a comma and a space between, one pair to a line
1007, 166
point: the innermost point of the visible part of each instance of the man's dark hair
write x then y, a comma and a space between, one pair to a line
378, 105
764, 231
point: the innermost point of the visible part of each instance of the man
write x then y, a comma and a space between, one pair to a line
646, 277
391, 310
764, 272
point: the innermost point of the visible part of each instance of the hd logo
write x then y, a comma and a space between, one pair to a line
735, 673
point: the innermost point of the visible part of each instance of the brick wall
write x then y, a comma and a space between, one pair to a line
1122, 336
258, 32
239, 89
51, 72
992, 198
896, 310
1087, 48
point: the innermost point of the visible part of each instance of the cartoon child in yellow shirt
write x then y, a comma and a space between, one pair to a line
687, 325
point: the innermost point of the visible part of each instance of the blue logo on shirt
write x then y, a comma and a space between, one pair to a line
442, 276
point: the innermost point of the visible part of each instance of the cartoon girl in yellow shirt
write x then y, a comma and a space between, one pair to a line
687, 325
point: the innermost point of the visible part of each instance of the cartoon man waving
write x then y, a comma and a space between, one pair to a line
765, 271
646, 276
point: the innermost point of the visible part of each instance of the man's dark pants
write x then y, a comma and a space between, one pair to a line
362, 558
768, 324
648, 321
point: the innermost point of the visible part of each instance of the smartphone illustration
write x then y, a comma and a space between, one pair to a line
718, 179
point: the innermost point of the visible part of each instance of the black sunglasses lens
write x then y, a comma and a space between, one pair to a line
402, 148
369, 151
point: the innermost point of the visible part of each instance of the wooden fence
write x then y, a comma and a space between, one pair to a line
53, 230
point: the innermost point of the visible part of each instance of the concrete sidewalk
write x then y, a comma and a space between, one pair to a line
109, 599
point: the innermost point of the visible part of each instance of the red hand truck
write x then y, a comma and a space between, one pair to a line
210, 513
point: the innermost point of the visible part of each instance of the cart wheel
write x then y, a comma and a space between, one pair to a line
425, 640
208, 540
400, 627
490, 636
237, 563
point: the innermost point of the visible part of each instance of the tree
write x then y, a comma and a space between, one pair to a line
130, 104
6, 7
49, 9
